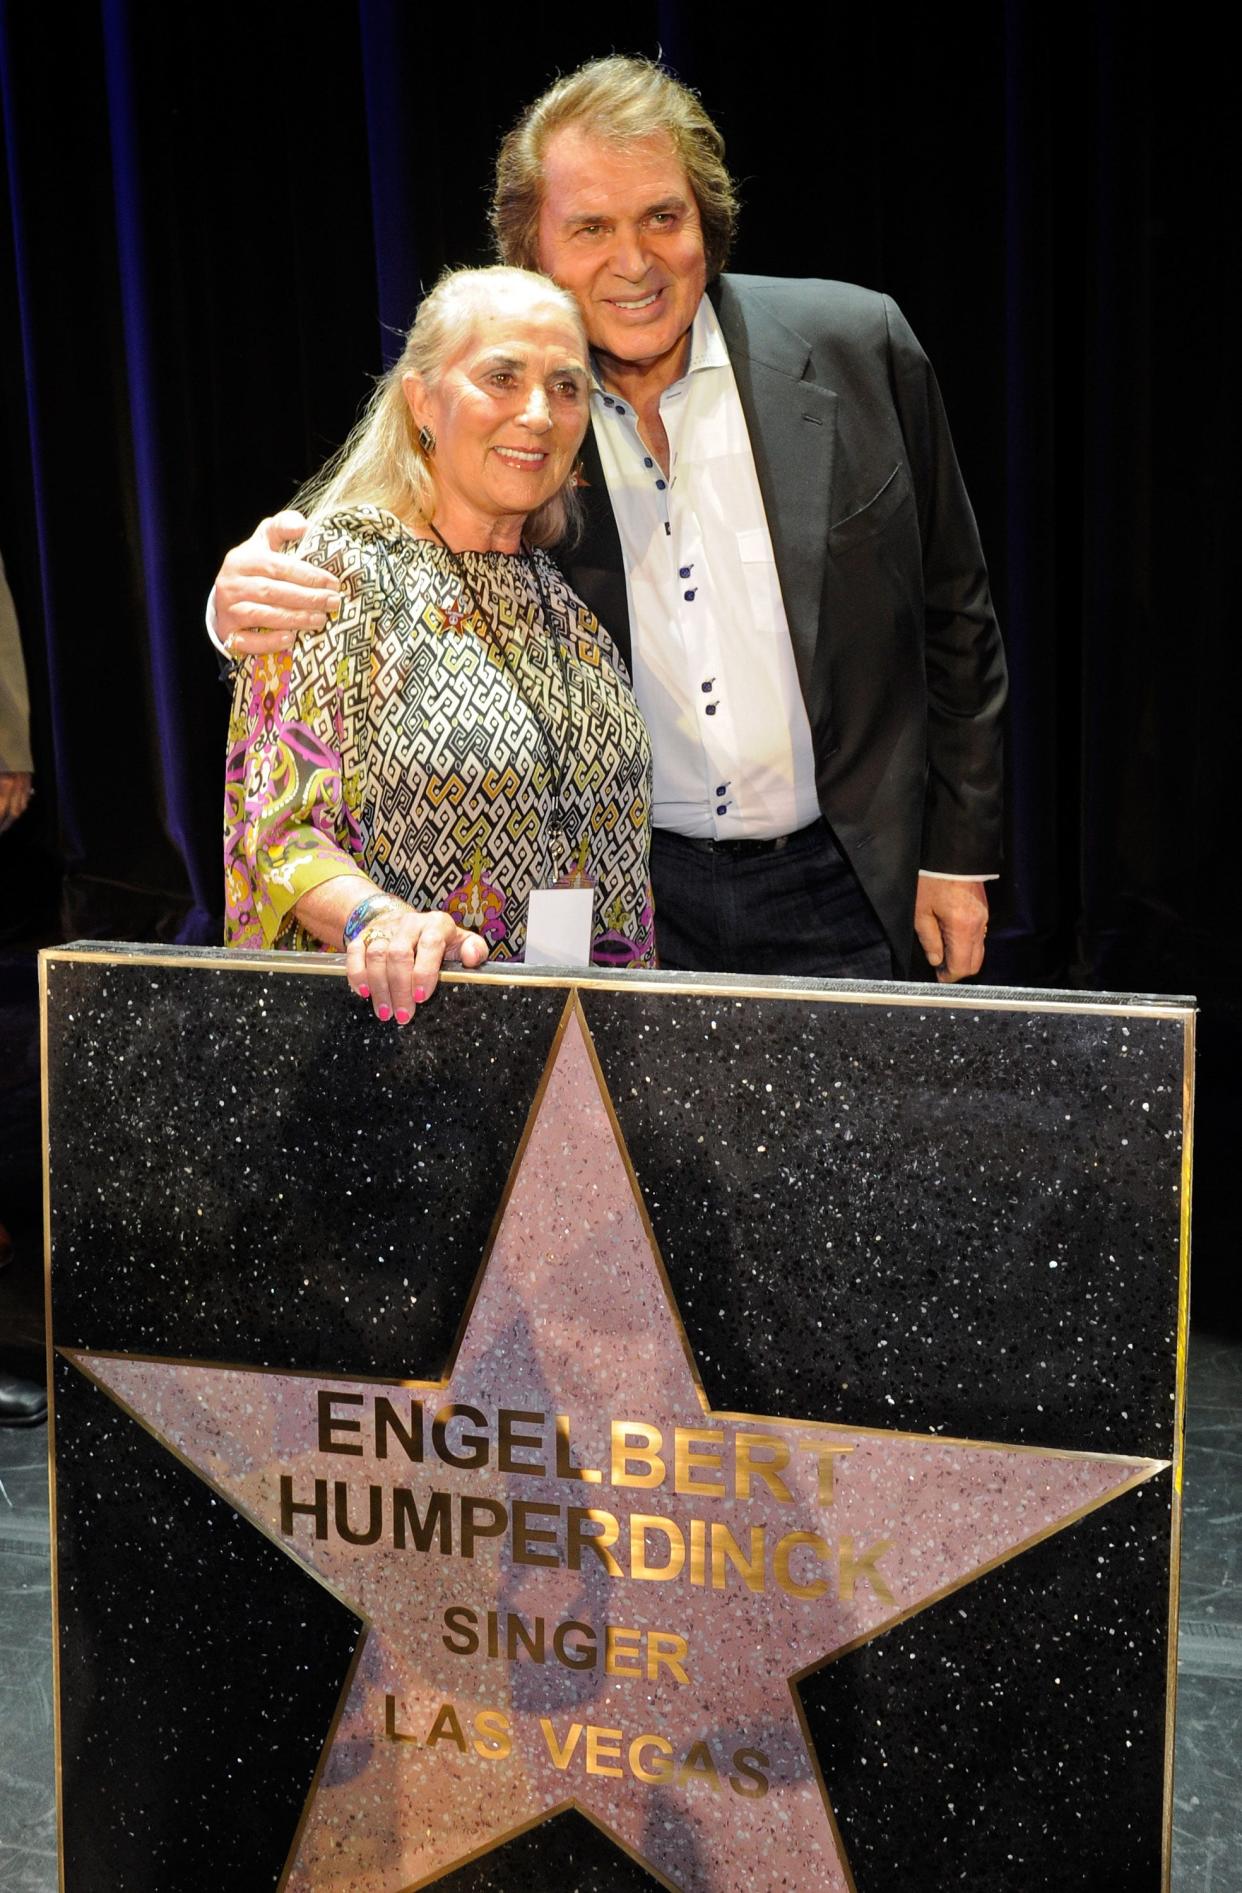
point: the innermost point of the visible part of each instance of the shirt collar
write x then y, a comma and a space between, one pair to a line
707, 348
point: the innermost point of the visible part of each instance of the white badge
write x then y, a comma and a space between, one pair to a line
558, 926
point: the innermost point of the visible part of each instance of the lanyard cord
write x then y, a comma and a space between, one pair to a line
556, 754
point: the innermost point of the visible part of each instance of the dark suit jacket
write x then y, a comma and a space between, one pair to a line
884, 583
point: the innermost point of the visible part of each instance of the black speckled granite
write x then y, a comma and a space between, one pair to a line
929, 1216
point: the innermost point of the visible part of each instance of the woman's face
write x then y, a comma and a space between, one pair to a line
508, 414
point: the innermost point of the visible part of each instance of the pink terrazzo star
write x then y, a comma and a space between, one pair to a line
664, 1572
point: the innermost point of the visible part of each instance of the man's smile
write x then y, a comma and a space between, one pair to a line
634, 304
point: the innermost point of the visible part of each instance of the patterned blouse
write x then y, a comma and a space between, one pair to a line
408, 743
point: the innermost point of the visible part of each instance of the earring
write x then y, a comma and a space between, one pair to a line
427, 441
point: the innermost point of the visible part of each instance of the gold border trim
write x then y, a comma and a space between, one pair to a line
932, 998
50, 1355
1179, 1446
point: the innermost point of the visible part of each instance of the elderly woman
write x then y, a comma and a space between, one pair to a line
462, 735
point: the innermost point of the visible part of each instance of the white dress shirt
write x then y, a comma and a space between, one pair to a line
713, 665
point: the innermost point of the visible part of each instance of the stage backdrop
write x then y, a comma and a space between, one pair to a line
214, 228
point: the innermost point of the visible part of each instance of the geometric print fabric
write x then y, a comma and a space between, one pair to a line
402, 740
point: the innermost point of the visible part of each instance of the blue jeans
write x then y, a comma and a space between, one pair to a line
788, 906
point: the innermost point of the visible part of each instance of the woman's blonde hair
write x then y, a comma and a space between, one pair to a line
619, 99
383, 462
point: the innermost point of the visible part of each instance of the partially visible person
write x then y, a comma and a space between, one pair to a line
463, 735
16, 763
22, 1403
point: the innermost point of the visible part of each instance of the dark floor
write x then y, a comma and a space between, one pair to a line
1207, 1845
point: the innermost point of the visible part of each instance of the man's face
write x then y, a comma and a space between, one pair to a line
619, 228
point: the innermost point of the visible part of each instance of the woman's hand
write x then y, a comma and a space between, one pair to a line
395, 961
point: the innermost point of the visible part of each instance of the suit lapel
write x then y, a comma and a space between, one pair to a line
792, 423
595, 567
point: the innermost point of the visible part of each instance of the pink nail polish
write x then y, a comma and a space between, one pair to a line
364, 992
419, 995
403, 1018
384, 1012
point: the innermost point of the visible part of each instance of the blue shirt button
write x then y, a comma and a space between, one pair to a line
722, 808
660, 485
683, 571
711, 709
706, 687
721, 787
648, 461
620, 409
689, 596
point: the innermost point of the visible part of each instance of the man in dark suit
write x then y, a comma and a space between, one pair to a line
779, 540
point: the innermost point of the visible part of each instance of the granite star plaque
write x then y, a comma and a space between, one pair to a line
580, 1576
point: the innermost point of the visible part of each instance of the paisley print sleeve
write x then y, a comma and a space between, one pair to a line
293, 785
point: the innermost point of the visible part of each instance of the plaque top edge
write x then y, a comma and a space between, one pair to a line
715, 985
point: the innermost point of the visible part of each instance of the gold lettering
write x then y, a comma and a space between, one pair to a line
582, 1655
698, 1551
291, 1507
619, 1643
662, 1772
780, 1563
775, 1455
369, 1532
472, 1456
561, 1753
640, 1525
446, 1728
509, 1441
602, 1746
517, 1634
473, 1513
565, 1468
688, 1460
391, 1731
460, 1622
577, 1517
725, 1545
635, 1440
665, 1647
525, 1535
387, 1420
826, 1458
438, 1520
851, 1568
699, 1766
750, 1763
329, 1425
491, 1726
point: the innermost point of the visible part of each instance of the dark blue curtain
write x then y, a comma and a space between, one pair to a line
217, 221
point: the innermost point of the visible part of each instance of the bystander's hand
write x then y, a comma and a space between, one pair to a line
16, 789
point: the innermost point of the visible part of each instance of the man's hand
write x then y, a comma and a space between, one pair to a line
951, 920
264, 597
16, 789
